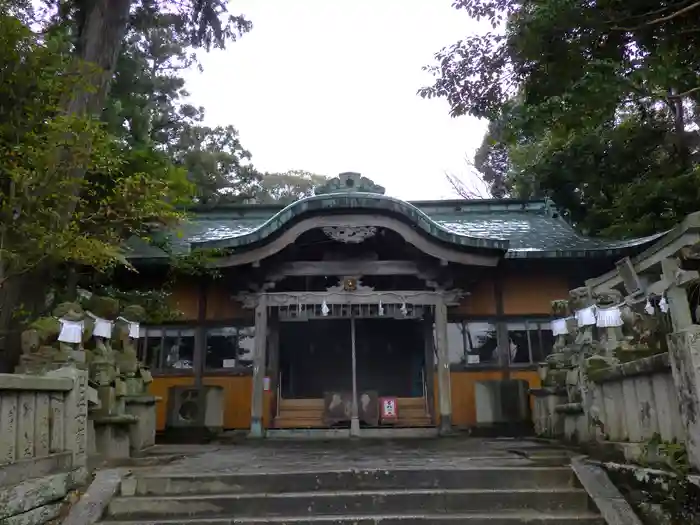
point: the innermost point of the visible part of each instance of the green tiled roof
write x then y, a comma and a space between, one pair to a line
521, 229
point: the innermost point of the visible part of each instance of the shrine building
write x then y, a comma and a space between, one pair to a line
324, 308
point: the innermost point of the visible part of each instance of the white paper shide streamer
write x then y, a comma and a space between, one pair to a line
103, 327
71, 331
586, 316
134, 328
649, 308
559, 327
609, 317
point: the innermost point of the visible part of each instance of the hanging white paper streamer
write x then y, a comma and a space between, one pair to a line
559, 327
71, 331
134, 328
404, 310
586, 317
103, 327
649, 308
381, 308
608, 317
324, 309
663, 305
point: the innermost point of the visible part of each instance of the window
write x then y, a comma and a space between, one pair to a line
480, 343
529, 341
167, 348
455, 343
472, 343
229, 347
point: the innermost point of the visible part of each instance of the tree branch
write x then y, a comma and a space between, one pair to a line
662, 19
685, 93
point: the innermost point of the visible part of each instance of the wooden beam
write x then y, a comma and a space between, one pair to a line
424, 298
345, 268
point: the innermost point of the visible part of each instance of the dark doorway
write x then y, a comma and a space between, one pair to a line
390, 356
315, 357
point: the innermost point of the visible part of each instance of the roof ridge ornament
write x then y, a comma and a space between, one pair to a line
350, 182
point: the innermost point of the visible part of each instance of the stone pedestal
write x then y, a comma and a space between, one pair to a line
142, 434
548, 422
113, 436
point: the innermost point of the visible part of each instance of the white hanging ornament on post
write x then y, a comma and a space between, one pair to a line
586, 316
663, 305
324, 309
609, 317
649, 308
381, 308
404, 310
71, 331
559, 327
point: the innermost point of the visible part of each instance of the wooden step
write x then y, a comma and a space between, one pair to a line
419, 422
410, 402
299, 414
301, 404
297, 422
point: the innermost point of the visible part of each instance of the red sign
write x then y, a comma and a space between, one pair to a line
388, 409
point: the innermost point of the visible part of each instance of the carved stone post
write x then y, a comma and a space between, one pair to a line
676, 295
684, 353
443, 368
260, 350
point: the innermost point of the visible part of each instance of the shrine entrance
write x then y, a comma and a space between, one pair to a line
356, 353
316, 357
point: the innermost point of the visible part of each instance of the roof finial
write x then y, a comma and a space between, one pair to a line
350, 182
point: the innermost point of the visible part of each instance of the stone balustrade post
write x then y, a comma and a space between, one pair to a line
76, 414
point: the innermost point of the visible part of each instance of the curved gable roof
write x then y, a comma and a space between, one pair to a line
518, 228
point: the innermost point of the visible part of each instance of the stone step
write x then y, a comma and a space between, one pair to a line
348, 502
514, 518
474, 478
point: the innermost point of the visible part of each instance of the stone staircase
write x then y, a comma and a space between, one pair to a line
485, 494
308, 413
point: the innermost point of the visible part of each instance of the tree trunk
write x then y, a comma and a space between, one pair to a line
102, 30
21, 297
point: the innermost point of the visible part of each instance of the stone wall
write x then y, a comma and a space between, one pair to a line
43, 443
637, 401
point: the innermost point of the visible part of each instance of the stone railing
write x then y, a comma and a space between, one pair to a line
625, 370
630, 405
43, 442
637, 401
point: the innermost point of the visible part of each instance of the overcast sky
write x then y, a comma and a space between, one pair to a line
330, 86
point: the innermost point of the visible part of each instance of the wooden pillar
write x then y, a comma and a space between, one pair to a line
273, 366
260, 350
443, 369
200, 351
355, 416
429, 347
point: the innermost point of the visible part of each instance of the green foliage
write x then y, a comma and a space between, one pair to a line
676, 494
593, 104
287, 187
155, 302
147, 107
